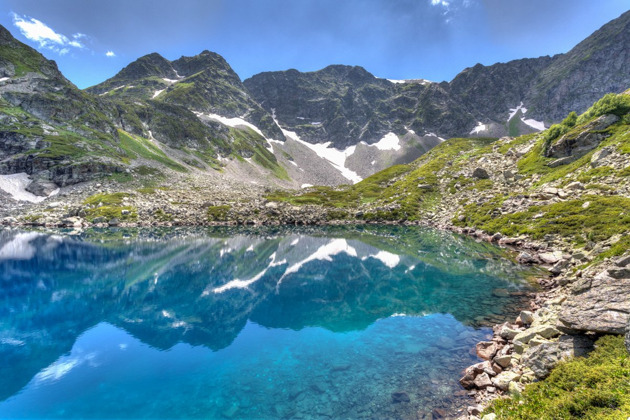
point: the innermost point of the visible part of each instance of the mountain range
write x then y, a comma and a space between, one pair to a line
338, 125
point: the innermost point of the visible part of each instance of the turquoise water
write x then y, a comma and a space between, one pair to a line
361, 322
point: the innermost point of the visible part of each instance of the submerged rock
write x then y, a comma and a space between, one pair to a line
400, 397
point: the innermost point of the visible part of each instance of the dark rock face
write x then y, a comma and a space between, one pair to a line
202, 83
344, 104
575, 80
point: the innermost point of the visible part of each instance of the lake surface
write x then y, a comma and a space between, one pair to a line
359, 322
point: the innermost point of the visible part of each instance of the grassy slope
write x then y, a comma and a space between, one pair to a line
595, 387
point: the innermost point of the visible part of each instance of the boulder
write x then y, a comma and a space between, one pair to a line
541, 359
550, 257
526, 317
600, 304
503, 361
487, 349
41, 188
503, 379
508, 333
526, 258
576, 185
480, 173
482, 381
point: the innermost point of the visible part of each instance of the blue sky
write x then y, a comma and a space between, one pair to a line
396, 39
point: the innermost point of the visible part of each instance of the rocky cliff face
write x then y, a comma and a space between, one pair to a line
347, 104
573, 81
204, 83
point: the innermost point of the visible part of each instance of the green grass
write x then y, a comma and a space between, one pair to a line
568, 219
595, 387
249, 143
218, 213
136, 146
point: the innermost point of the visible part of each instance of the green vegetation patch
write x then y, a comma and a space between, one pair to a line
603, 217
595, 387
218, 213
247, 142
122, 213
136, 146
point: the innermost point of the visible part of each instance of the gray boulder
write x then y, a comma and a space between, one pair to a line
600, 304
480, 173
541, 359
41, 188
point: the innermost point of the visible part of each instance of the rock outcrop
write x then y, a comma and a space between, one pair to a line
599, 303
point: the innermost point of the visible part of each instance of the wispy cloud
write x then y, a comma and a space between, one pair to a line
45, 36
440, 3
110, 54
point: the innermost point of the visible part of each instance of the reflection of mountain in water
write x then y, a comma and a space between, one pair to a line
202, 287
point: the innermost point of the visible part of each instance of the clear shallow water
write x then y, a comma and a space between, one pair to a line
228, 323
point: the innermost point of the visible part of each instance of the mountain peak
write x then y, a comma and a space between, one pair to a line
146, 66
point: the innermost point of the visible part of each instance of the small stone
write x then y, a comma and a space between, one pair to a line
550, 257
527, 317
503, 361
586, 204
487, 349
482, 381
503, 379
508, 333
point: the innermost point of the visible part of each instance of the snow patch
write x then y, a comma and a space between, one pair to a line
538, 125
480, 128
389, 142
4, 79
156, 93
337, 158
513, 111
15, 185
306, 185
170, 81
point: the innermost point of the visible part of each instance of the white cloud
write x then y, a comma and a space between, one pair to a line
440, 3
45, 36
110, 54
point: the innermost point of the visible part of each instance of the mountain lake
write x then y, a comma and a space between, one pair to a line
246, 323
